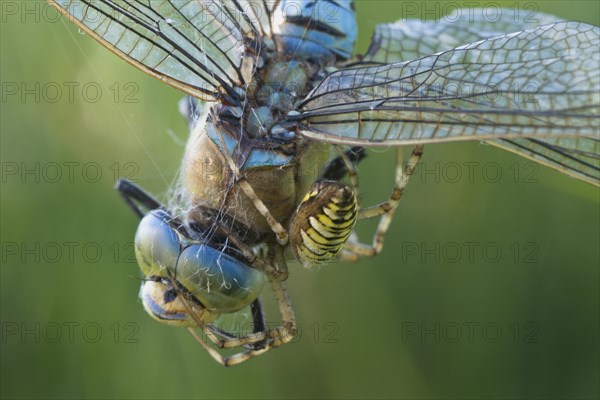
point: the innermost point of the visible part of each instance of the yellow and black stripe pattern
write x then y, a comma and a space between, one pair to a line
323, 222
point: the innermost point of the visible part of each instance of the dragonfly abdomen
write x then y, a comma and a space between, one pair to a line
318, 30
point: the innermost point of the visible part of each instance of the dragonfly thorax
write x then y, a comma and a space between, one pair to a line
275, 93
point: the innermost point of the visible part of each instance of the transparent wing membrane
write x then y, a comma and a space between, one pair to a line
578, 157
198, 47
411, 39
542, 82
535, 92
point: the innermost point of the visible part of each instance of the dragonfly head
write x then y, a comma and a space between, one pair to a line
184, 277
162, 301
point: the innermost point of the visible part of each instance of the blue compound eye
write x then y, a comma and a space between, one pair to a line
218, 281
157, 244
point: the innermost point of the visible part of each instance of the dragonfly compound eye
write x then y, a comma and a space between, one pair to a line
323, 222
157, 244
220, 282
175, 265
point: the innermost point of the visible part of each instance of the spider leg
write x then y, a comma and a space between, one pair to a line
354, 249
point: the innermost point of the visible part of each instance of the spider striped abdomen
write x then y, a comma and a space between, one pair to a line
323, 222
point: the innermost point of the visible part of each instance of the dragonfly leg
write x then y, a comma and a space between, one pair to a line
136, 197
235, 359
223, 339
262, 338
257, 343
354, 249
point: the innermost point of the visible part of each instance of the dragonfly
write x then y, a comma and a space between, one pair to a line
281, 111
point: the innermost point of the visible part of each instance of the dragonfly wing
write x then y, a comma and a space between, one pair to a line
537, 83
577, 157
198, 47
410, 39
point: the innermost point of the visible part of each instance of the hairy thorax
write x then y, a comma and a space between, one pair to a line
278, 163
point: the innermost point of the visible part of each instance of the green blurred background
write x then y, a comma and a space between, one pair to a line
406, 324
